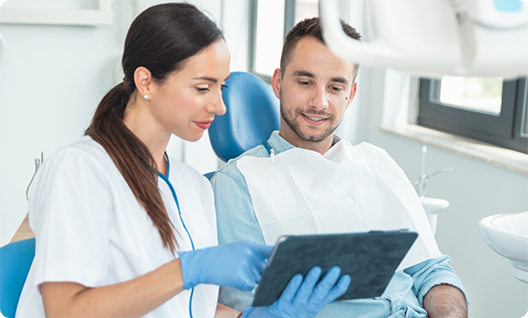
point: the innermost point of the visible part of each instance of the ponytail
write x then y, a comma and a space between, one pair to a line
132, 158
160, 39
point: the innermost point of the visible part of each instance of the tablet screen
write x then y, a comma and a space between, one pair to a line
369, 258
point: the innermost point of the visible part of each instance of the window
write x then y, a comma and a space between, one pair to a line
270, 21
493, 110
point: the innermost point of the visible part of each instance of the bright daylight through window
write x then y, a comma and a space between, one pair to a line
493, 110
479, 94
271, 21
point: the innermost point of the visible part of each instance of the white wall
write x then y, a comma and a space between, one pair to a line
51, 80
474, 189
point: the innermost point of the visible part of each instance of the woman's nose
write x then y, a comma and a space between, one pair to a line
217, 105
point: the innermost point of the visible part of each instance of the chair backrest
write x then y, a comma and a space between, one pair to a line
252, 115
15, 261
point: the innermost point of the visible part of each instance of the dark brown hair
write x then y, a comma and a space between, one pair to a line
160, 39
310, 27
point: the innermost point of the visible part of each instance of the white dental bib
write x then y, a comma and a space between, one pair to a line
348, 189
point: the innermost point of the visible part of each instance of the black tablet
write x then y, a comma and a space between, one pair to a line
369, 258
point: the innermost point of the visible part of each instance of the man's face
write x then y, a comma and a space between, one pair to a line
314, 90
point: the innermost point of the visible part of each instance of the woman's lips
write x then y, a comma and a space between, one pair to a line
203, 124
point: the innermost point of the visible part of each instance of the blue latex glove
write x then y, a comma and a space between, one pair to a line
238, 265
304, 300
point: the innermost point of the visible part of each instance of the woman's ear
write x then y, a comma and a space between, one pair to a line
143, 81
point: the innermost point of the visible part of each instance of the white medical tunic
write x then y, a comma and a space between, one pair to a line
90, 228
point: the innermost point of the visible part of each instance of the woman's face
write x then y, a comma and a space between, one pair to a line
187, 102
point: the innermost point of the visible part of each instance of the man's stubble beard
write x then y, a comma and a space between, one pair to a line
289, 119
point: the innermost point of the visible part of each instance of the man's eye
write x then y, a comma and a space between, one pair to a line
223, 86
304, 83
336, 89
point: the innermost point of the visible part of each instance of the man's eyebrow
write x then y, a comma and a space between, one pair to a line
303, 73
338, 79
214, 80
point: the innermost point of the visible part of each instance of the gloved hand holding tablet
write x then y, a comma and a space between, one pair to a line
369, 258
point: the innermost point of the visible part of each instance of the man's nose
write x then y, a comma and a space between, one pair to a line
319, 98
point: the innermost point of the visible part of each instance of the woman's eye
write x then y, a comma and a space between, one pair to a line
223, 86
202, 89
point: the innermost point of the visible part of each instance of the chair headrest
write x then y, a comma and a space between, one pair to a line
252, 115
15, 261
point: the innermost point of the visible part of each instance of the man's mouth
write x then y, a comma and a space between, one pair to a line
315, 118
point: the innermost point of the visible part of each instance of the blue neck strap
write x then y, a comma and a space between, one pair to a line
268, 147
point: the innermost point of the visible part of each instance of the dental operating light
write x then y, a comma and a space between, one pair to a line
433, 38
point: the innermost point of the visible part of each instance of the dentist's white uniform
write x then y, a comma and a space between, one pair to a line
91, 230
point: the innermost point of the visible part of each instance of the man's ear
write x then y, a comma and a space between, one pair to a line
276, 82
352, 94
143, 81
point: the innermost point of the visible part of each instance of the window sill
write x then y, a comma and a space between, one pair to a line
509, 159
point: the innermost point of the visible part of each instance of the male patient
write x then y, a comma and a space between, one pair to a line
306, 180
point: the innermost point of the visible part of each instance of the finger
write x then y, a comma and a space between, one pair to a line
265, 250
339, 289
262, 267
291, 289
307, 286
260, 262
249, 278
256, 274
244, 283
245, 287
326, 284
258, 266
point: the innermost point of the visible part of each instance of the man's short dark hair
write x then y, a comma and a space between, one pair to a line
310, 27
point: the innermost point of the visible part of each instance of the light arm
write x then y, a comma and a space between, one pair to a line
445, 301
438, 288
223, 311
133, 298
238, 265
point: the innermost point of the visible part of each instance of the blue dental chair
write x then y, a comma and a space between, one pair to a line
15, 261
252, 115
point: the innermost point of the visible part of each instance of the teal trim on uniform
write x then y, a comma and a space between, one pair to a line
166, 179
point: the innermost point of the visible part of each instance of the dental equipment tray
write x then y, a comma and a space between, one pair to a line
370, 258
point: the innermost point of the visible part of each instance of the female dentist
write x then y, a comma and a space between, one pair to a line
121, 229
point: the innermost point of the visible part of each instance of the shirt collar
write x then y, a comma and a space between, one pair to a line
279, 144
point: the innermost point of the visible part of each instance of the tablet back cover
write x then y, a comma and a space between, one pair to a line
369, 258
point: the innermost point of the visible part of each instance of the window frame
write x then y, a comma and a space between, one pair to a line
289, 20
506, 130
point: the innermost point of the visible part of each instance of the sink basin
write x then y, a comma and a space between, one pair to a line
507, 234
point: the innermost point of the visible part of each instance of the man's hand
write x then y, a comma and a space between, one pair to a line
445, 301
